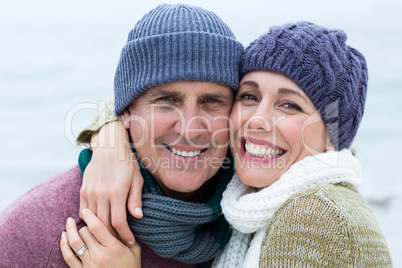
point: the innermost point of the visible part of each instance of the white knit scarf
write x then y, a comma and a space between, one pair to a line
249, 212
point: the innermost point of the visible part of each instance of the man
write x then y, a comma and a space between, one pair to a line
174, 82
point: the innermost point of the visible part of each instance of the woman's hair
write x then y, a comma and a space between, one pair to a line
332, 74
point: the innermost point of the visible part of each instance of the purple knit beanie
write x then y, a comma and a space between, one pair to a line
333, 74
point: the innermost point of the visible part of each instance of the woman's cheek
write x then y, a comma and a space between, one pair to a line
291, 131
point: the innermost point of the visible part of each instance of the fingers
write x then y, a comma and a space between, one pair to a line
74, 241
68, 254
119, 221
136, 249
134, 202
89, 240
89, 193
83, 200
104, 250
94, 196
104, 215
97, 230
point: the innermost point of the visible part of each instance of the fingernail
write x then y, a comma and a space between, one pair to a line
84, 211
130, 243
69, 220
138, 211
63, 234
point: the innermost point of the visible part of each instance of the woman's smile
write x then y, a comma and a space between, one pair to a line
253, 148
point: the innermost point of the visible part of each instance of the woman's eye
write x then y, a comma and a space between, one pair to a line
248, 97
292, 106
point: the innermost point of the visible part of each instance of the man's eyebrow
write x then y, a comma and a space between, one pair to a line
250, 83
285, 91
162, 92
216, 95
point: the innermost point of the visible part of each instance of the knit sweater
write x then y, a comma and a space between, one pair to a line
105, 115
325, 226
30, 228
311, 216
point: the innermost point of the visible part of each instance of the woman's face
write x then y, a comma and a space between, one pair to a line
274, 125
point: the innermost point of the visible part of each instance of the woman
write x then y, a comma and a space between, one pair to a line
296, 113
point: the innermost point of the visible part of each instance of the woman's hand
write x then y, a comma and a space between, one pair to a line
112, 180
96, 245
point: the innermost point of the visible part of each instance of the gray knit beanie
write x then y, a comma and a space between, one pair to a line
176, 43
333, 74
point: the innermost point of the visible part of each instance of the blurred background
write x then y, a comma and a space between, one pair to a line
57, 64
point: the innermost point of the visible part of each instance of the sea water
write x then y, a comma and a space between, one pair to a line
57, 63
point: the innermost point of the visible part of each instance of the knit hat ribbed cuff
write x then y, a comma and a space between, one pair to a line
180, 56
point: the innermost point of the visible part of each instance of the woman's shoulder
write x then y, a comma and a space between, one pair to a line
337, 207
343, 198
324, 221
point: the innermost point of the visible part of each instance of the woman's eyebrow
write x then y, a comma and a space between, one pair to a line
285, 91
250, 83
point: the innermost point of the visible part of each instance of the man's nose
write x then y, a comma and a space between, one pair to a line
191, 123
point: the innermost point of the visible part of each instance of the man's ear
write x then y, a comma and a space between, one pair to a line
125, 117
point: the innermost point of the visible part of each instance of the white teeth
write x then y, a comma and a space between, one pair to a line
185, 153
257, 151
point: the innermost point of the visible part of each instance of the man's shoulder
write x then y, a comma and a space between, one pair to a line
48, 197
34, 222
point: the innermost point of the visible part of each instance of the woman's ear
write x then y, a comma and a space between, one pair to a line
125, 117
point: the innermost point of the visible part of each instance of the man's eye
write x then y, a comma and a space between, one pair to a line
210, 100
165, 99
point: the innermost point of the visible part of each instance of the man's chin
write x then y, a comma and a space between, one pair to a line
176, 183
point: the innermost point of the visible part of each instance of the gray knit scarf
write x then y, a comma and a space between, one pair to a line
187, 232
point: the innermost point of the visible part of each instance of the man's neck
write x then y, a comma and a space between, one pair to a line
194, 197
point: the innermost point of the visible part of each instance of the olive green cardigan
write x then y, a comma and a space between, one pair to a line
325, 226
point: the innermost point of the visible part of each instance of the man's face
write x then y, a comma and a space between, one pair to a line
180, 131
